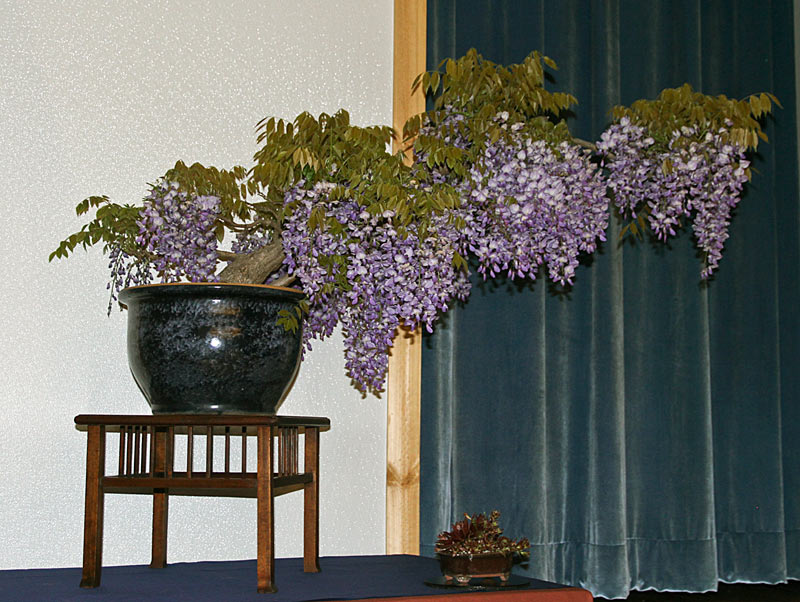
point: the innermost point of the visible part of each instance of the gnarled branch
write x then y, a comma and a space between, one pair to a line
253, 268
228, 256
585, 144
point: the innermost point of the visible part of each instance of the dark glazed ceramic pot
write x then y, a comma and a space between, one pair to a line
211, 348
462, 569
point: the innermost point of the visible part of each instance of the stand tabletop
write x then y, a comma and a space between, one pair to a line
321, 423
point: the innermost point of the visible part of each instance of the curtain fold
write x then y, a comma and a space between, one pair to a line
641, 428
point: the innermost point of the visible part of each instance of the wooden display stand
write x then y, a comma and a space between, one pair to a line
146, 466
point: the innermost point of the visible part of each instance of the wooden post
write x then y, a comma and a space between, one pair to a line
265, 532
160, 467
93, 509
403, 383
311, 503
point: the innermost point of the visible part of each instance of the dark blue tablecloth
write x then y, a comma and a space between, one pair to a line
341, 578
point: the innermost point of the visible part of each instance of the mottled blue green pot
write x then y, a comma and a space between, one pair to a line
211, 348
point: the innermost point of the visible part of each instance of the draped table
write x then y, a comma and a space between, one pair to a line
398, 578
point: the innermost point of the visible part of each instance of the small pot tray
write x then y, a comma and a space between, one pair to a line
480, 583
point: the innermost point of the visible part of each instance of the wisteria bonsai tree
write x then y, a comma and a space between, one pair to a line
376, 243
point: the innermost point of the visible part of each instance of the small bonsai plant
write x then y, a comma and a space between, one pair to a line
375, 243
479, 535
475, 547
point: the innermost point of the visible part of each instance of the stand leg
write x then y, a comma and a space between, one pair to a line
93, 509
311, 503
265, 557
158, 557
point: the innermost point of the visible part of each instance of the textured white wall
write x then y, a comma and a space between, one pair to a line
101, 98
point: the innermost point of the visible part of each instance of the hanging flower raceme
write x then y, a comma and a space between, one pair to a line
367, 274
525, 202
177, 229
126, 270
695, 177
529, 204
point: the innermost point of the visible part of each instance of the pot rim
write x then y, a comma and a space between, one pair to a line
163, 289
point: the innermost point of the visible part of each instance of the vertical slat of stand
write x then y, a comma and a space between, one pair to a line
121, 469
403, 383
227, 450
160, 464
287, 451
142, 450
311, 502
244, 450
265, 555
93, 508
281, 433
143, 454
292, 444
295, 446
287, 468
209, 450
128, 449
189, 451
137, 445
169, 456
152, 430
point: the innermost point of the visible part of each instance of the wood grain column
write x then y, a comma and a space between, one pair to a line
311, 502
265, 510
93, 508
403, 383
162, 466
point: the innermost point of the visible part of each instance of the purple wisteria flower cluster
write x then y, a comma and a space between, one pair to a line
247, 241
126, 270
365, 274
696, 177
178, 230
525, 202
530, 204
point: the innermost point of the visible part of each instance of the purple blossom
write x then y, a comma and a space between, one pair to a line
178, 230
126, 270
528, 205
247, 241
699, 178
525, 204
390, 280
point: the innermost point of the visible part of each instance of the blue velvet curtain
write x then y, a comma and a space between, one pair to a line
641, 428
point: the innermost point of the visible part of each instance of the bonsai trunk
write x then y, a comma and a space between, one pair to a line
255, 267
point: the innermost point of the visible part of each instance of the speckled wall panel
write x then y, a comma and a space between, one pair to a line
100, 98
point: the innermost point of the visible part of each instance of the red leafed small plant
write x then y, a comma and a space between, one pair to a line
479, 535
